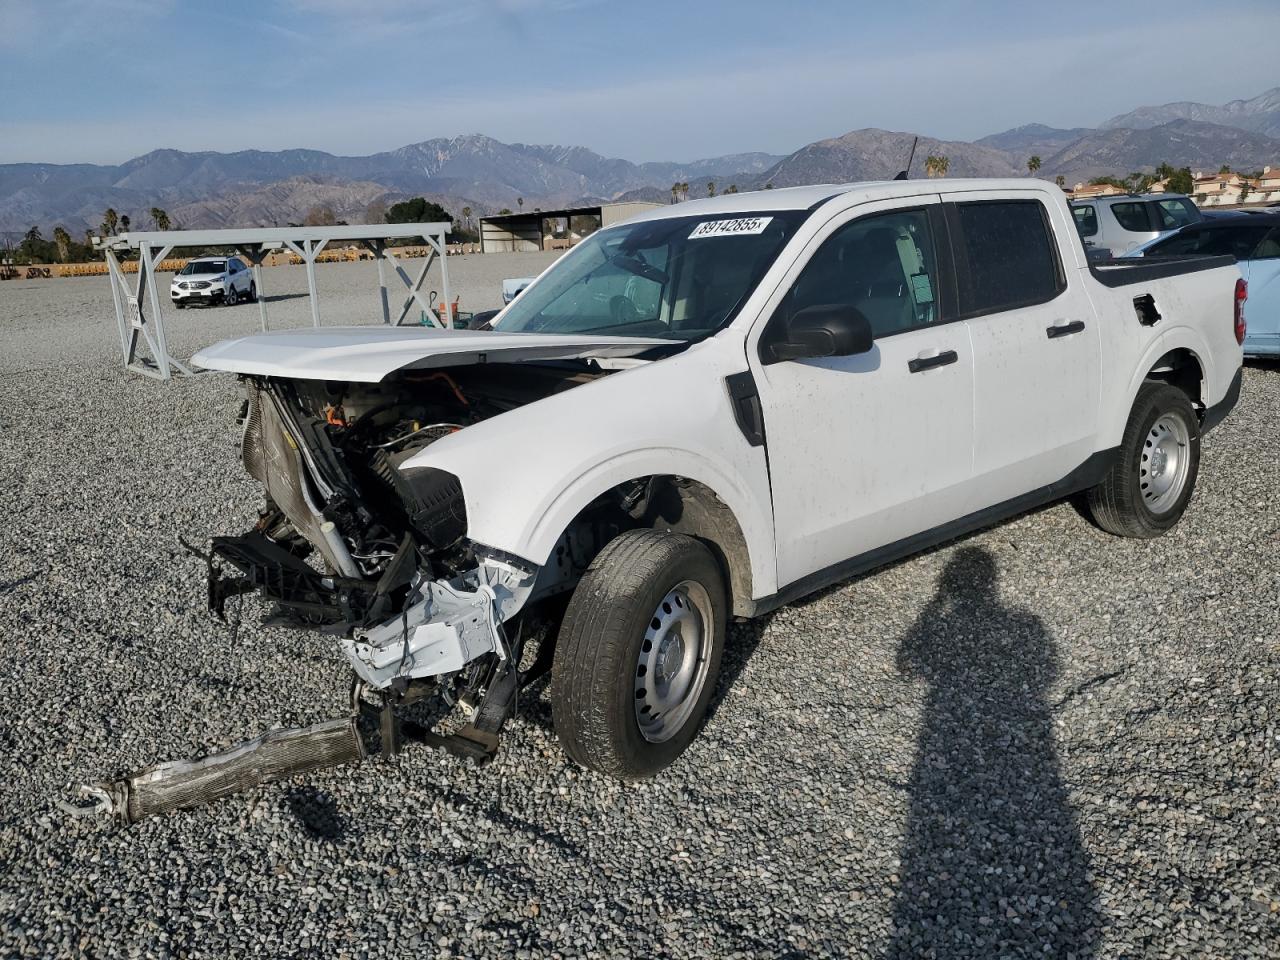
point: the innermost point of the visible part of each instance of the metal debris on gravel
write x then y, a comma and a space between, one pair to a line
1040, 741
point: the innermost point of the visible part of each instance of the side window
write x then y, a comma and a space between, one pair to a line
1132, 216
1269, 249
883, 265
1006, 256
1086, 220
1238, 242
1185, 241
1171, 214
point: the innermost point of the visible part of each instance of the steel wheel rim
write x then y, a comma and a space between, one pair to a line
1165, 463
671, 669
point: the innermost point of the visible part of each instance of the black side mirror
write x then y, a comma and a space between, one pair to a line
830, 330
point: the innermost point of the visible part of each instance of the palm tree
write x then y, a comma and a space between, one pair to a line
520, 202
684, 190
768, 186
124, 223
466, 217
675, 192
1061, 181
63, 240
733, 188
110, 219
1033, 165
160, 218
936, 166
711, 188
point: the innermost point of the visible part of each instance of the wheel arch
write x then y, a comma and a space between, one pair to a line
696, 506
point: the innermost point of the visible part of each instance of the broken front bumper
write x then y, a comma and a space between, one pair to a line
441, 627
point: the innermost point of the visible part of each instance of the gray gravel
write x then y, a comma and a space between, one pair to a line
1041, 741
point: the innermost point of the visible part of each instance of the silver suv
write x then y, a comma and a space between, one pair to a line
213, 280
1112, 226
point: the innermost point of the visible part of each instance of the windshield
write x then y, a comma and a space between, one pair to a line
204, 266
677, 278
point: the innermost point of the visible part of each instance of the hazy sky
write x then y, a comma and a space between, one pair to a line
105, 80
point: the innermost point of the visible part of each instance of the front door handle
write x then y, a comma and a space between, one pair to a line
1064, 329
927, 363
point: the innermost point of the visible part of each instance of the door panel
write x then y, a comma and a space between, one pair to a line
864, 452
1036, 364
869, 449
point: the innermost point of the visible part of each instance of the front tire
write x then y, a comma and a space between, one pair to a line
638, 653
1147, 489
230, 298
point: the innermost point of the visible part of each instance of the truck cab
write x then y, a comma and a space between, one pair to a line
706, 412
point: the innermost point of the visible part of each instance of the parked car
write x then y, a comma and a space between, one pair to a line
1253, 238
513, 287
1111, 226
213, 280
705, 412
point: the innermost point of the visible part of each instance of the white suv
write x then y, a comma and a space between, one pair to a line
213, 280
1112, 226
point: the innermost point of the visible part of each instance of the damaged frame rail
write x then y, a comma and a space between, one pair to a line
444, 629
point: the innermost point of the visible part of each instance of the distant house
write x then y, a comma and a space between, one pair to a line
1219, 189
1266, 189
1084, 191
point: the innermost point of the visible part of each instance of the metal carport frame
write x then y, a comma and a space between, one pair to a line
141, 319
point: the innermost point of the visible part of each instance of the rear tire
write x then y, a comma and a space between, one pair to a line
638, 653
253, 292
1147, 489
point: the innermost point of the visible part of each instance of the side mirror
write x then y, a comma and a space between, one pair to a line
831, 330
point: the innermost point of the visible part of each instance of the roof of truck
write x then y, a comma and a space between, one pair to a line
804, 198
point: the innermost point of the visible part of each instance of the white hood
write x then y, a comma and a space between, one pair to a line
368, 354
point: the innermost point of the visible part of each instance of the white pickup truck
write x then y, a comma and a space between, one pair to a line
702, 413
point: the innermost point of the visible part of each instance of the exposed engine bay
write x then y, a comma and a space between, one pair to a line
356, 541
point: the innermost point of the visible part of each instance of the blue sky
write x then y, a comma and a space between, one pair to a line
104, 80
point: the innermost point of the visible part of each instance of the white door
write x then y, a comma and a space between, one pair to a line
1262, 310
1036, 344
868, 449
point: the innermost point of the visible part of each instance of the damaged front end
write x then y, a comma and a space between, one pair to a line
355, 542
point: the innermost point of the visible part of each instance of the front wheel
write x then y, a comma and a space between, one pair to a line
1147, 489
231, 298
638, 653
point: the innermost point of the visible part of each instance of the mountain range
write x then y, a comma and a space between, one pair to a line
254, 187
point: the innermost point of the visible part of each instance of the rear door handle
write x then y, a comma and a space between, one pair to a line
1064, 329
926, 363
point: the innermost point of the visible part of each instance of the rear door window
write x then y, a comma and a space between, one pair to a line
1086, 220
1132, 216
1006, 256
1240, 242
1175, 212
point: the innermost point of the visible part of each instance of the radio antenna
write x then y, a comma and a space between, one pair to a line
903, 175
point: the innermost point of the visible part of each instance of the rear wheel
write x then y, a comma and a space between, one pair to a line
638, 653
253, 292
1147, 489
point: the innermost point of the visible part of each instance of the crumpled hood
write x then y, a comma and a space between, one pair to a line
368, 354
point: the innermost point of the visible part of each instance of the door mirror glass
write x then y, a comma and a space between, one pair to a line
830, 330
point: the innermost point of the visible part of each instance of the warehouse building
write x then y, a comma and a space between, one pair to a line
552, 229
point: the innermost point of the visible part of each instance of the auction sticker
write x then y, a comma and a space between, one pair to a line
741, 227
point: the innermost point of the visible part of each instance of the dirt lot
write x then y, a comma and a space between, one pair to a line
1040, 741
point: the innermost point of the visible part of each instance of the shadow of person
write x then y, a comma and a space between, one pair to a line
992, 864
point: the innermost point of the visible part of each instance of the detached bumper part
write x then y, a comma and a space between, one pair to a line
445, 630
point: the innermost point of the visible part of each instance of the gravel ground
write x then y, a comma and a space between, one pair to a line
1040, 741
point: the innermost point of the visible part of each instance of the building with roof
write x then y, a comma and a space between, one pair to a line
1085, 191
552, 229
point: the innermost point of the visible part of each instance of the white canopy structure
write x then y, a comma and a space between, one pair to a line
141, 319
